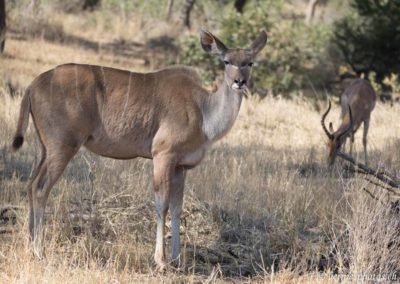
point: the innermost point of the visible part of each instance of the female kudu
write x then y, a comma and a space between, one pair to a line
166, 116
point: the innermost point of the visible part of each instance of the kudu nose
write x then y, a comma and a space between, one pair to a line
240, 82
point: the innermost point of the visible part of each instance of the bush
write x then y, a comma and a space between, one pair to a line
295, 54
76, 6
369, 38
192, 54
295, 58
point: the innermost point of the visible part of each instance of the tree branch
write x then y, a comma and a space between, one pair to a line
384, 177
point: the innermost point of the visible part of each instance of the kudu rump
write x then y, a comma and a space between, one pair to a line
357, 101
166, 116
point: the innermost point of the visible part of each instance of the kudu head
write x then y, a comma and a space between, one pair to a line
335, 139
238, 62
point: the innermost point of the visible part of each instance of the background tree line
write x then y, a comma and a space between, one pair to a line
308, 49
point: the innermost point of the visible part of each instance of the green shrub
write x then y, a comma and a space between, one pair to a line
296, 54
295, 58
369, 38
192, 54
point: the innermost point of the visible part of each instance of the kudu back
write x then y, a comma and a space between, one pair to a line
166, 116
357, 102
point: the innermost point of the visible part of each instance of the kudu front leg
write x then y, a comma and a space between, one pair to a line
365, 134
175, 207
164, 167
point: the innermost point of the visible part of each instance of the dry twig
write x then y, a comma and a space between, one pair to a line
381, 175
390, 183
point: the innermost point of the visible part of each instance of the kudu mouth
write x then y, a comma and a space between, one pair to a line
239, 84
335, 138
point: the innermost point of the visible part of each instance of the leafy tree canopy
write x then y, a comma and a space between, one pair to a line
369, 38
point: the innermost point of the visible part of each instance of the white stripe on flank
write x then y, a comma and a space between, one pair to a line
76, 87
127, 94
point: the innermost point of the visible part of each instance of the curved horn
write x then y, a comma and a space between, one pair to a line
330, 136
350, 128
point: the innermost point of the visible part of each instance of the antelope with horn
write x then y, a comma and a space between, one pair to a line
357, 102
165, 115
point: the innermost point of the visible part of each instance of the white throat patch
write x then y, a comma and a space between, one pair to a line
220, 113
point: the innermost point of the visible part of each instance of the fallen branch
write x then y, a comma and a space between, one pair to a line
372, 196
380, 185
382, 176
371, 181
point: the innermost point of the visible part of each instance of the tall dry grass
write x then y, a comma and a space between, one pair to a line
263, 206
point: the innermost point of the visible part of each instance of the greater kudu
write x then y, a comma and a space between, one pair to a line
357, 102
165, 115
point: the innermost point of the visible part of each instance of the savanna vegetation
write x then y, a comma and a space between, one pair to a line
263, 206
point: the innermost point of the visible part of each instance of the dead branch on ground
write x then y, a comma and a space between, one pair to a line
386, 181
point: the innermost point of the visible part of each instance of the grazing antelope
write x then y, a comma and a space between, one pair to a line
166, 116
357, 101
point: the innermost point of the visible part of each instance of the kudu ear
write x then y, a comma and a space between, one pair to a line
330, 127
211, 43
259, 43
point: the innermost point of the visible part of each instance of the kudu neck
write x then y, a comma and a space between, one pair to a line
220, 111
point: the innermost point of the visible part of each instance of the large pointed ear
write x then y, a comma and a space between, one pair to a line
331, 127
211, 43
259, 43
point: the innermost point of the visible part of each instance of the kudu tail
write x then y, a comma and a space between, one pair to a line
22, 121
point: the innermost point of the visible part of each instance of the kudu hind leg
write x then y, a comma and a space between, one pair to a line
30, 194
50, 171
344, 145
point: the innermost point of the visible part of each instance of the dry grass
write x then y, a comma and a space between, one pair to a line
261, 207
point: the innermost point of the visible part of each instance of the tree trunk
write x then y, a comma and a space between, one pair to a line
91, 5
170, 9
2, 24
34, 5
239, 5
312, 6
186, 11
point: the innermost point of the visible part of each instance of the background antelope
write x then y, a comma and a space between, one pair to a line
166, 116
357, 102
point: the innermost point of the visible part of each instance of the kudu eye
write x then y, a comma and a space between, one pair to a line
226, 62
250, 64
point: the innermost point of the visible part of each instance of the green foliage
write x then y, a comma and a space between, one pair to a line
294, 51
241, 29
295, 58
295, 54
192, 54
369, 38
